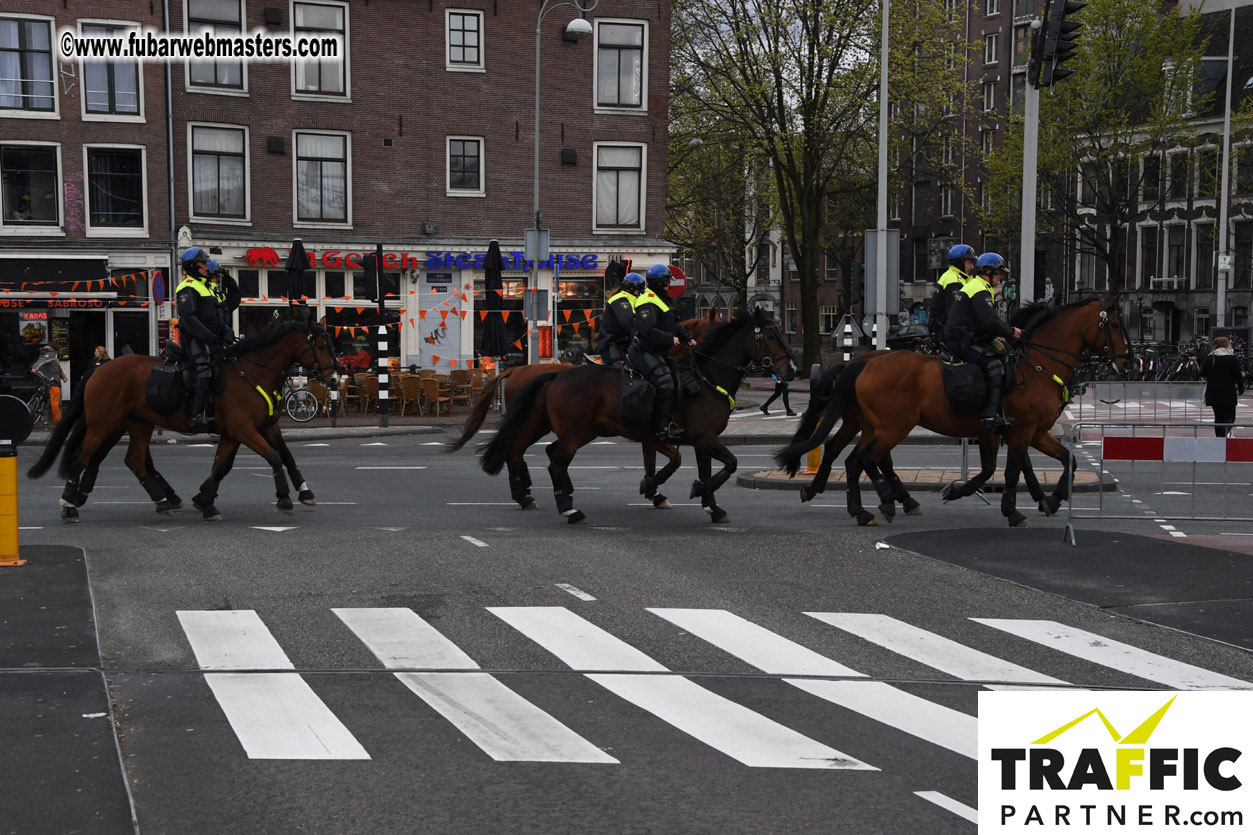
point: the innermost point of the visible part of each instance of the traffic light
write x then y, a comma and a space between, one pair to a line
1060, 40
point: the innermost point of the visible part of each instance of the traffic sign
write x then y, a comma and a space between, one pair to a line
678, 282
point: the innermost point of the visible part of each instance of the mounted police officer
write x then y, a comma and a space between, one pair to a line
618, 321
657, 329
961, 263
976, 334
203, 322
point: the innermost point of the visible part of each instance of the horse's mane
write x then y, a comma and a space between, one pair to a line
268, 335
1038, 314
720, 333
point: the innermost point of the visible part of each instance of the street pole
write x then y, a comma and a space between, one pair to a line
881, 236
1030, 153
1220, 275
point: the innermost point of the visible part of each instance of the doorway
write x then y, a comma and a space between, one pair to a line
87, 330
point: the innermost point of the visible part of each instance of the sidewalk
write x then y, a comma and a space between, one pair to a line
916, 479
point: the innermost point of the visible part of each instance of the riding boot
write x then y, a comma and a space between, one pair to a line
663, 412
991, 416
199, 399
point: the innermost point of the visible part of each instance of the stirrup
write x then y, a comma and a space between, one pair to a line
996, 421
197, 420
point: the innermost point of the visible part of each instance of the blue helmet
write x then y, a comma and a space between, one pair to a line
633, 278
658, 271
193, 254
211, 264
991, 262
960, 253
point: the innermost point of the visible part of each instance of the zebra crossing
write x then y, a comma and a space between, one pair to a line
276, 714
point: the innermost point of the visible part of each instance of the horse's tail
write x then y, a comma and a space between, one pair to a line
494, 455
821, 416
478, 414
73, 426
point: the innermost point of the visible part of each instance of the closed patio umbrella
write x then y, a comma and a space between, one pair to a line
494, 344
297, 264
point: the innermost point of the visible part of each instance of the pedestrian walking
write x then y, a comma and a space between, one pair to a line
100, 357
1224, 382
48, 367
780, 390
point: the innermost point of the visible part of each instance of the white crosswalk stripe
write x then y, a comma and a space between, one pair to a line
275, 714
506, 726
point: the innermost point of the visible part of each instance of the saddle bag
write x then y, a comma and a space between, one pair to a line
637, 403
963, 387
165, 388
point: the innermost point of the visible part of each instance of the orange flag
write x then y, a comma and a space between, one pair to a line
422, 315
454, 363
576, 327
587, 313
504, 315
482, 315
463, 315
121, 302
517, 343
566, 313
411, 323
360, 310
51, 293
435, 358
443, 318
339, 310
145, 304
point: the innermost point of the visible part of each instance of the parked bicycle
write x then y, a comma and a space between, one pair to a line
299, 403
39, 405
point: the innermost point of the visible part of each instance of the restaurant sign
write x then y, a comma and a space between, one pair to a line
77, 304
338, 259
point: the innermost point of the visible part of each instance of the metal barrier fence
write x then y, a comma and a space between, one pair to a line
1140, 402
1157, 470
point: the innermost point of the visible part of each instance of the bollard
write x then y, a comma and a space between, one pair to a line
848, 342
813, 460
8, 505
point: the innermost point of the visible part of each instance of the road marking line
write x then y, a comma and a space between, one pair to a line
1115, 655
935, 651
325, 503
503, 724
877, 700
375, 443
434, 443
275, 529
480, 543
946, 802
603, 443
30, 528
577, 592
274, 715
1167, 527
122, 502
479, 504
725, 726
393, 530
672, 504
1180, 534
315, 444
390, 467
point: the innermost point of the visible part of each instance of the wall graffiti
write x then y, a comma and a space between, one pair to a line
436, 336
69, 76
74, 220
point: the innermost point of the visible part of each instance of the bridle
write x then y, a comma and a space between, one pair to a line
323, 373
765, 359
1103, 341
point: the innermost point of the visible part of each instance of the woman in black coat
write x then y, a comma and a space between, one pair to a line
1224, 382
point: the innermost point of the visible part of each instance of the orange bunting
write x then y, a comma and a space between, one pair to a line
463, 315
517, 343
411, 323
443, 318
422, 315
587, 313
435, 358
339, 310
566, 313
504, 315
576, 327
482, 315
360, 310
454, 363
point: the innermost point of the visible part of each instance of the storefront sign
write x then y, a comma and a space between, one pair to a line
77, 304
338, 259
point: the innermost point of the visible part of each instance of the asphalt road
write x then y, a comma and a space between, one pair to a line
644, 672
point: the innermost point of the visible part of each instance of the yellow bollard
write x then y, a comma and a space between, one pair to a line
813, 460
8, 506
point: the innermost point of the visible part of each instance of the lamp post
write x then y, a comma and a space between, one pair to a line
575, 29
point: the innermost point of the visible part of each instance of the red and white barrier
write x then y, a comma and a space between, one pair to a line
1200, 450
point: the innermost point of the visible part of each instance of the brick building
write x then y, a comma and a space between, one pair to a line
419, 139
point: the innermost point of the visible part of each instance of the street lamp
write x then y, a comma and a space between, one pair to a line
575, 29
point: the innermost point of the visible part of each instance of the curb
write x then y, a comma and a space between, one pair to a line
776, 480
291, 434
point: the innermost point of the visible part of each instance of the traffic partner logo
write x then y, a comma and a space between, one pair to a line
1053, 761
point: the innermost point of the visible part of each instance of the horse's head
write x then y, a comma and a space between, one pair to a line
318, 356
770, 348
1105, 336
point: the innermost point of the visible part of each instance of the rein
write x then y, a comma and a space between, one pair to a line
271, 397
764, 361
1104, 327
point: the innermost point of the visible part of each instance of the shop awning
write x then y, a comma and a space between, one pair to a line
14, 271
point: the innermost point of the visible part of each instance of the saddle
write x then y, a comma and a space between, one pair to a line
964, 388
169, 385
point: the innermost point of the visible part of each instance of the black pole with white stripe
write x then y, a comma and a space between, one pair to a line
383, 367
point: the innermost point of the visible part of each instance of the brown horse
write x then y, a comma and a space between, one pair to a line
900, 390
585, 403
512, 380
112, 403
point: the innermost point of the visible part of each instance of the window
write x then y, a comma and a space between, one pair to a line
1022, 45
1202, 321
465, 40
620, 67
1018, 90
219, 16
333, 285
828, 318
1179, 176
833, 268
1207, 173
994, 7
219, 164
1205, 256
249, 282
115, 188
1086, 278
789, 309
110, 88
763, 263
30, 182
950, 6
1024, 8
1087, 184
618, 186
1239, 316
1241, 278
1244, 170
950, 56
465, 166
922, 204
989, 96
1150, 255
322, 184
920, 259
987, 139
946, 201
990, 43
323, 77
985, 197
26, 81
1175, 251
1151, 189
946, 151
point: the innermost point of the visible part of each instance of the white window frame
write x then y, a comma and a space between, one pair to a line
242, 92
295, 162
304, 95
1165, 244
246, 220
1142, 280
947, 194
462, 192
989, 86
1194, 259
621, 230
1198, 173
642, 110
112, 231
86, 115
993, 7
481, 66
991, 48
29, 230
1168, 176
987, 141
55, 112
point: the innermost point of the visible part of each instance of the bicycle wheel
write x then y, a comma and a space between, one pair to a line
301, 406
36, 406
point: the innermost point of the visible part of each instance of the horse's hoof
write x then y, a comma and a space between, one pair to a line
912, 507
888, 509
526, 503
575, 516
175, 502
213, 517
306, 497
208, 511
648, 487
1050, 505
284, 506
1017, 520
661, 502
165, 508
80, 499
70, 514
951, 491
807, 493
865, 518
717, 514
698, 489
